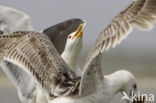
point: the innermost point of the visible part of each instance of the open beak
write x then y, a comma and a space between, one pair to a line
79, 31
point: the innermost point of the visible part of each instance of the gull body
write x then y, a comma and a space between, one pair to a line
114, 83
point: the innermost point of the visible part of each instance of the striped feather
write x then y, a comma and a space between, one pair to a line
140, 14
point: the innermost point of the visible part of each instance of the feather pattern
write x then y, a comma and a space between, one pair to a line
14, 20
140, 14
35, 53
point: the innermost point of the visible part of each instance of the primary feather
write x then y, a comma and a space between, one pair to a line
140, 14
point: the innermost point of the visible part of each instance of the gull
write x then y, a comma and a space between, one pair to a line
15, 20
36, 55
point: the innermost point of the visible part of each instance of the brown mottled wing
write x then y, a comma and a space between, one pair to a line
35, 53
140, 14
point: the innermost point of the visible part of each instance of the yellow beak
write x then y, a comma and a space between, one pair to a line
79, 31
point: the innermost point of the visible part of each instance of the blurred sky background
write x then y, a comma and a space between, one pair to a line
137, 53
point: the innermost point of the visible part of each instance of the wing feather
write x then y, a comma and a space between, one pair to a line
24, 82
93, 78
35, 53
12, 20
140, 14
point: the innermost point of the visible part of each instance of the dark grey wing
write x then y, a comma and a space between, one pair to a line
14, 20
58, 33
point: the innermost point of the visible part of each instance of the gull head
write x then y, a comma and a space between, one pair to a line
129, 87
74, 40
73, 47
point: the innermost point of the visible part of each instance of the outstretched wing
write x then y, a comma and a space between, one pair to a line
36, 55
140, 14
58, 33
13, 20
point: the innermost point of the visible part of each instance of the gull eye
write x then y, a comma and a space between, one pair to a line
69, 37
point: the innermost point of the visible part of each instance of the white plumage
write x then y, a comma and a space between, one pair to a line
114, 83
